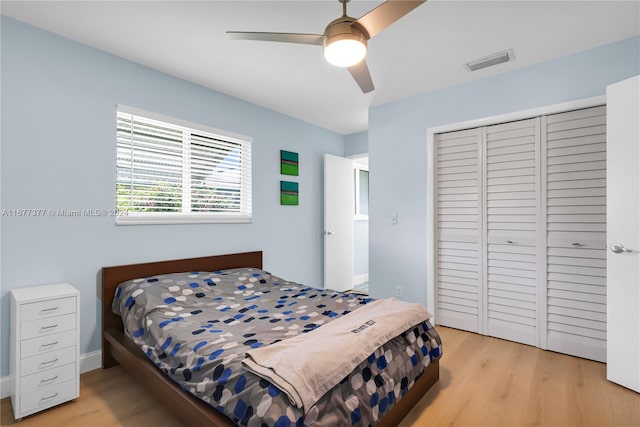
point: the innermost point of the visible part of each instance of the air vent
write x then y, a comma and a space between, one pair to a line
488, 61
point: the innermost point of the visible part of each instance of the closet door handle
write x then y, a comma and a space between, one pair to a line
618, 248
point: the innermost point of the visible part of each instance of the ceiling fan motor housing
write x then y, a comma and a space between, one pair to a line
343, 28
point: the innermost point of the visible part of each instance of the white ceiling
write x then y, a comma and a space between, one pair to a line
424, 51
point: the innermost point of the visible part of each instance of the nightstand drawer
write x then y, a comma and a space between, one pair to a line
53, 359
51, 325
54, 307
40, 345
49, 378
45, 398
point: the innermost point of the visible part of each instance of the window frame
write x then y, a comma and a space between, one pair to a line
245, 213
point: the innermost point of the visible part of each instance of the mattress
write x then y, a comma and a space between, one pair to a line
198, 326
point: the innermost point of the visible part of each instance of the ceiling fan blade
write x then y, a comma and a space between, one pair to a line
386, 14
315, 39
360, 73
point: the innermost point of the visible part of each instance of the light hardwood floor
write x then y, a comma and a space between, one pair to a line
483, 382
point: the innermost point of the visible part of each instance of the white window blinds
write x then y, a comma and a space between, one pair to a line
170, 171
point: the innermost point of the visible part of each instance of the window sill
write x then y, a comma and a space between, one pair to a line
180, 218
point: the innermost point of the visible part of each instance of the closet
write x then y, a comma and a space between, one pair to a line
520, 231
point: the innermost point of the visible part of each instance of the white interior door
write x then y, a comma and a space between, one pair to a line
512, 195
576, 276
623, 233
459, 222
338, 222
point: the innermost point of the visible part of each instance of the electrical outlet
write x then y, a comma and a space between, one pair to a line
399, 291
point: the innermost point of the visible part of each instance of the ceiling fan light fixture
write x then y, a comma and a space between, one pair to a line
345, 39
345, 50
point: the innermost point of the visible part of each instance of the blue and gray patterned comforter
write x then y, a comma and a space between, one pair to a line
197, 326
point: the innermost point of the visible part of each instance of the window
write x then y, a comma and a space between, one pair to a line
361, 192
170, 171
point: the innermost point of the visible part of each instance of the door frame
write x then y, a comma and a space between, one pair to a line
354, 218
361, 278
346, 261
431, 167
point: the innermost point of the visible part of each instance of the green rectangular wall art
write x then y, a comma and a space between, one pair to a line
288, 163
288, 193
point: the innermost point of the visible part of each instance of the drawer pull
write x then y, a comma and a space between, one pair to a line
578, 245
511, 242
49, 327
46, 381
48, 345
48, 310
49, 362
45, 398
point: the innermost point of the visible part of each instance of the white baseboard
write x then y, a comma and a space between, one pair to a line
361, 278
88, 362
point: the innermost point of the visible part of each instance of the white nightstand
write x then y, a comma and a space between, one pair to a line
45, 345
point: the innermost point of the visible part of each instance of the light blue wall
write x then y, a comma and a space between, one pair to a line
398, 179
360, 247
356, 143
58, 151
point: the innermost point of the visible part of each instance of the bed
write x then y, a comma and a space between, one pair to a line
118, 348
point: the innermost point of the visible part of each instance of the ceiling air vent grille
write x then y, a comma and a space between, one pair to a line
488, 61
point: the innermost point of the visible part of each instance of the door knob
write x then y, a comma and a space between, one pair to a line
618, 248
329, 233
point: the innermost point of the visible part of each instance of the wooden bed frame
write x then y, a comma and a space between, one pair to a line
119, 349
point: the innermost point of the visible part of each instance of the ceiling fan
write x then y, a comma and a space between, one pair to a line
345, 39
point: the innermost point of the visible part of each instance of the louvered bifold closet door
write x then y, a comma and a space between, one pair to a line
458, 230
576, 232
512, 200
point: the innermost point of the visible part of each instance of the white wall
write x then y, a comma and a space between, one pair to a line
398, 253
59, 152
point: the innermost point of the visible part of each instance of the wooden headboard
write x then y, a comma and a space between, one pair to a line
113, 276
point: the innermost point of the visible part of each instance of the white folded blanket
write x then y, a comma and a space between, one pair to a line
308, 365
